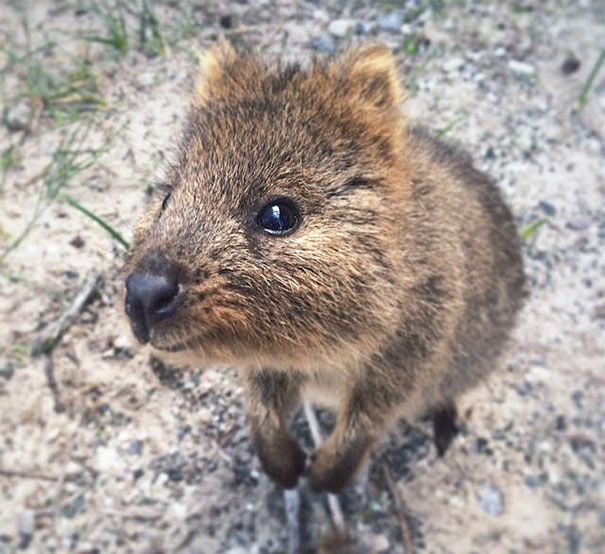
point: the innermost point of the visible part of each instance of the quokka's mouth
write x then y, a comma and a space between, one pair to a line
179, 346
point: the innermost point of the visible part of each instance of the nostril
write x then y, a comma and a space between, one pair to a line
149, 299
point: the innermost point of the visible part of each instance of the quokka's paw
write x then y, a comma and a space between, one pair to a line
330, 471
283, 460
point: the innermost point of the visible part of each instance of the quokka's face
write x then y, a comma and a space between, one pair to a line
273, 237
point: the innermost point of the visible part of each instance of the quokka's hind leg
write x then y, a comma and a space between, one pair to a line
444, 426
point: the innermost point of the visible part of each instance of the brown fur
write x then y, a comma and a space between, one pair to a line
394, 295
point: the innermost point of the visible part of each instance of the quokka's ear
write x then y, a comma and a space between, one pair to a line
213, 63
370, 74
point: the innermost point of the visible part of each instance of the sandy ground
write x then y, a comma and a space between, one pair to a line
126, 455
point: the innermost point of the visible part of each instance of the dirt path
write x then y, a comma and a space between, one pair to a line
127, 455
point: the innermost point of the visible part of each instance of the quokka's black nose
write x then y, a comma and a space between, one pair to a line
149, 299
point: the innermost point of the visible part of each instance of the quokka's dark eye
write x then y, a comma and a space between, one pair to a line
166, 199
279, 217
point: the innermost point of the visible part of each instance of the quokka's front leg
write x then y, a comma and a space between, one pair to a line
270, 396
359, 423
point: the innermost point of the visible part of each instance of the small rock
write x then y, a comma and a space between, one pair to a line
524, 388
530, 482
135, 448
560, 423
204, 416
578, 225
380, 543
570, 65
122, 342
364, 27
453, 64
390, 21
26, 523
321, 15
325, 43
77, 242
547, 208
481, 446
74, 507
107, 460
18, 117
183, 430
498, 435
146, 79
490, 499
226, 21
521, 68
8, 370
341, 27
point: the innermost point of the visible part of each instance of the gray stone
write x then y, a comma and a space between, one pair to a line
26, 523
547, 208
341, 27
490, 499
521, 68
325, 43
18, 117
578, 225
390, 21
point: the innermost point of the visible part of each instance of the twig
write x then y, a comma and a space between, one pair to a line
333, 503
292, 501
69, 315
136, 515
23, 474
49, 370
401, 513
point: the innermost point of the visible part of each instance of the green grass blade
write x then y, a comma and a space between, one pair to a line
530, 229
113, 233
445, 130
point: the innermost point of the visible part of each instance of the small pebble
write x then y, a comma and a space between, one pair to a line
524, 388
560, 423
390, 21
547, 208
341, 27
8, 370
530, 482
490, 499
521, 68
226, 21
498, 435
325, 43
364, 27
453, 64
77, 242
18, 117
183, 430
578, 225
380, 543
321, 15
135, 448
26, 527
480, 445
570, 65
74, 507
577, 397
